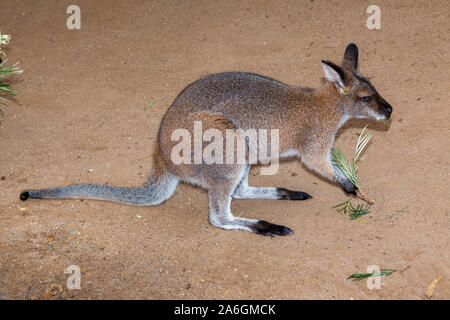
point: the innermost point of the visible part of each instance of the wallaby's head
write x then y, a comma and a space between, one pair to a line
359, 96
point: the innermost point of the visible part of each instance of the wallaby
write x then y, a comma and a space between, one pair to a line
307, 119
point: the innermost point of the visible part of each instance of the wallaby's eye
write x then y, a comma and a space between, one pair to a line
366, 99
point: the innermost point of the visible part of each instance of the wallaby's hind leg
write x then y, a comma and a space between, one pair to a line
244, 191
220, 215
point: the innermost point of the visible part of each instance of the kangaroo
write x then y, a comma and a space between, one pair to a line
307, 119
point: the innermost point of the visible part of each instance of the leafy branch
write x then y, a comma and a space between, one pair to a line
5, 88
350, 169
361, 276
353, 213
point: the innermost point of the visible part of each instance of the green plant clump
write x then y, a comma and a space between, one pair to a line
5, 87
353, 213
350, 169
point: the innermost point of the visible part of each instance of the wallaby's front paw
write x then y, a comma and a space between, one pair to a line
349, 187
269, 229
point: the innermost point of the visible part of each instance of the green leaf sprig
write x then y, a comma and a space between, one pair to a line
350, 169
5, 88
353, 213
361, 276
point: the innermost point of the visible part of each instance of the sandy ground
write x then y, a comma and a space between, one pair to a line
81, 117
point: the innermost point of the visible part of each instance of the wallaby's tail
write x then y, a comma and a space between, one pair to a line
160, 187
151, 193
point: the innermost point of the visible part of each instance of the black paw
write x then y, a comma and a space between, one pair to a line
349, 187
269, 229
24, 195
285, 194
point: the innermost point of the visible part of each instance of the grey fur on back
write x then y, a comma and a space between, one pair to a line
246, 89
248, 100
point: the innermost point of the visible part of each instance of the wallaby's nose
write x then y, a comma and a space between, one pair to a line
387, 107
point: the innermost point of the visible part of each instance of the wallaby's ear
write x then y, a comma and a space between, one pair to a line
335, 75
350, 57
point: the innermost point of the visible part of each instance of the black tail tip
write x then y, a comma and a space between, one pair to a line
24, 195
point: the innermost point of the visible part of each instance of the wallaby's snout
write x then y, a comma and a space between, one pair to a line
375, 107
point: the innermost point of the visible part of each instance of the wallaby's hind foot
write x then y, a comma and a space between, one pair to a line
269, 229
285, 194
257, 226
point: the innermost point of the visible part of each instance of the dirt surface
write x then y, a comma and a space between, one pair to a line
81, 117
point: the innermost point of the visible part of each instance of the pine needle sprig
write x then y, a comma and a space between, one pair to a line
352, 212
350, 169
344, 206
9, 71
361, 276
360, 210
5, 88
347, 168
363, 140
